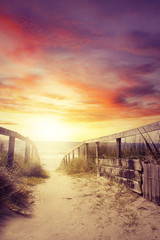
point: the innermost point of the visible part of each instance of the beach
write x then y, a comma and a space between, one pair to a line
84, 207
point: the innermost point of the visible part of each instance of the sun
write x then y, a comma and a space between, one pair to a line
48, 129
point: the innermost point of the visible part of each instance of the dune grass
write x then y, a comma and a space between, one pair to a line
16, 181
79, 165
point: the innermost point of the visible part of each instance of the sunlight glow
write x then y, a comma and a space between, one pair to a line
47, 129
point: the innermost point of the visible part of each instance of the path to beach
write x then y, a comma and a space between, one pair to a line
85, 208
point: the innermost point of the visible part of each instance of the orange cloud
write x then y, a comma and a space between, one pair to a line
79, 60
8, 123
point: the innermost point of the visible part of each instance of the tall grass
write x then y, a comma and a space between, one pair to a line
79, 165
15, 190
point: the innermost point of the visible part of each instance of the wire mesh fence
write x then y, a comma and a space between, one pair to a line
141, 143
146, 146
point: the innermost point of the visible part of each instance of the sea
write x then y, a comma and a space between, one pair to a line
51, 153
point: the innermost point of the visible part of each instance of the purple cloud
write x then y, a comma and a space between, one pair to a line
112, 46
145, 41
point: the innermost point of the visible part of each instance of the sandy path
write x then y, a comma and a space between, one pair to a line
86, 208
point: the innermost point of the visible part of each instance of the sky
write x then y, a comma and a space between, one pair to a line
73, 70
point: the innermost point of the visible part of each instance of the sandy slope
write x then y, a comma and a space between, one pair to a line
86, 208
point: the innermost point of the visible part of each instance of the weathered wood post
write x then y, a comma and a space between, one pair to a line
69, 158
11, 150
11, 145
73, 154
118, 141
66, 160
27, 151
37, 156
97, 150
97, 159
86, 154
79, 153
32, 153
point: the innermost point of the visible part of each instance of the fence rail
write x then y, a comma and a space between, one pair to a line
141, 130
116, 137
31, 151
112, 156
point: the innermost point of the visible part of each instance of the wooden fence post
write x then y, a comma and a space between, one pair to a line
118, 141
97, 159
27, 151
97, 150
69, 158
11, 145
11, 150
79, 152
37, 156
86, 153
73, 154
32, 153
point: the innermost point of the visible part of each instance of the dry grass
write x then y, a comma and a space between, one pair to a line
130, 219
14, 192
16, 182
79, 166
35, 170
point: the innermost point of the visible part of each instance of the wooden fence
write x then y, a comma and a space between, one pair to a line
151, 182
126, 171
133, 172
31, 152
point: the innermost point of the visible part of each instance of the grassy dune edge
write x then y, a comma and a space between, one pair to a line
16, 183
79, 166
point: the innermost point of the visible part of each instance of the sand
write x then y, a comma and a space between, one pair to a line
84, 208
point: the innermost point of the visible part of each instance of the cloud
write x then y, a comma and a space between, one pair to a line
144, 42
33, 32
142, 90
8, 123
93, 104
117, 98
145, 68
55, 96
86, 61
